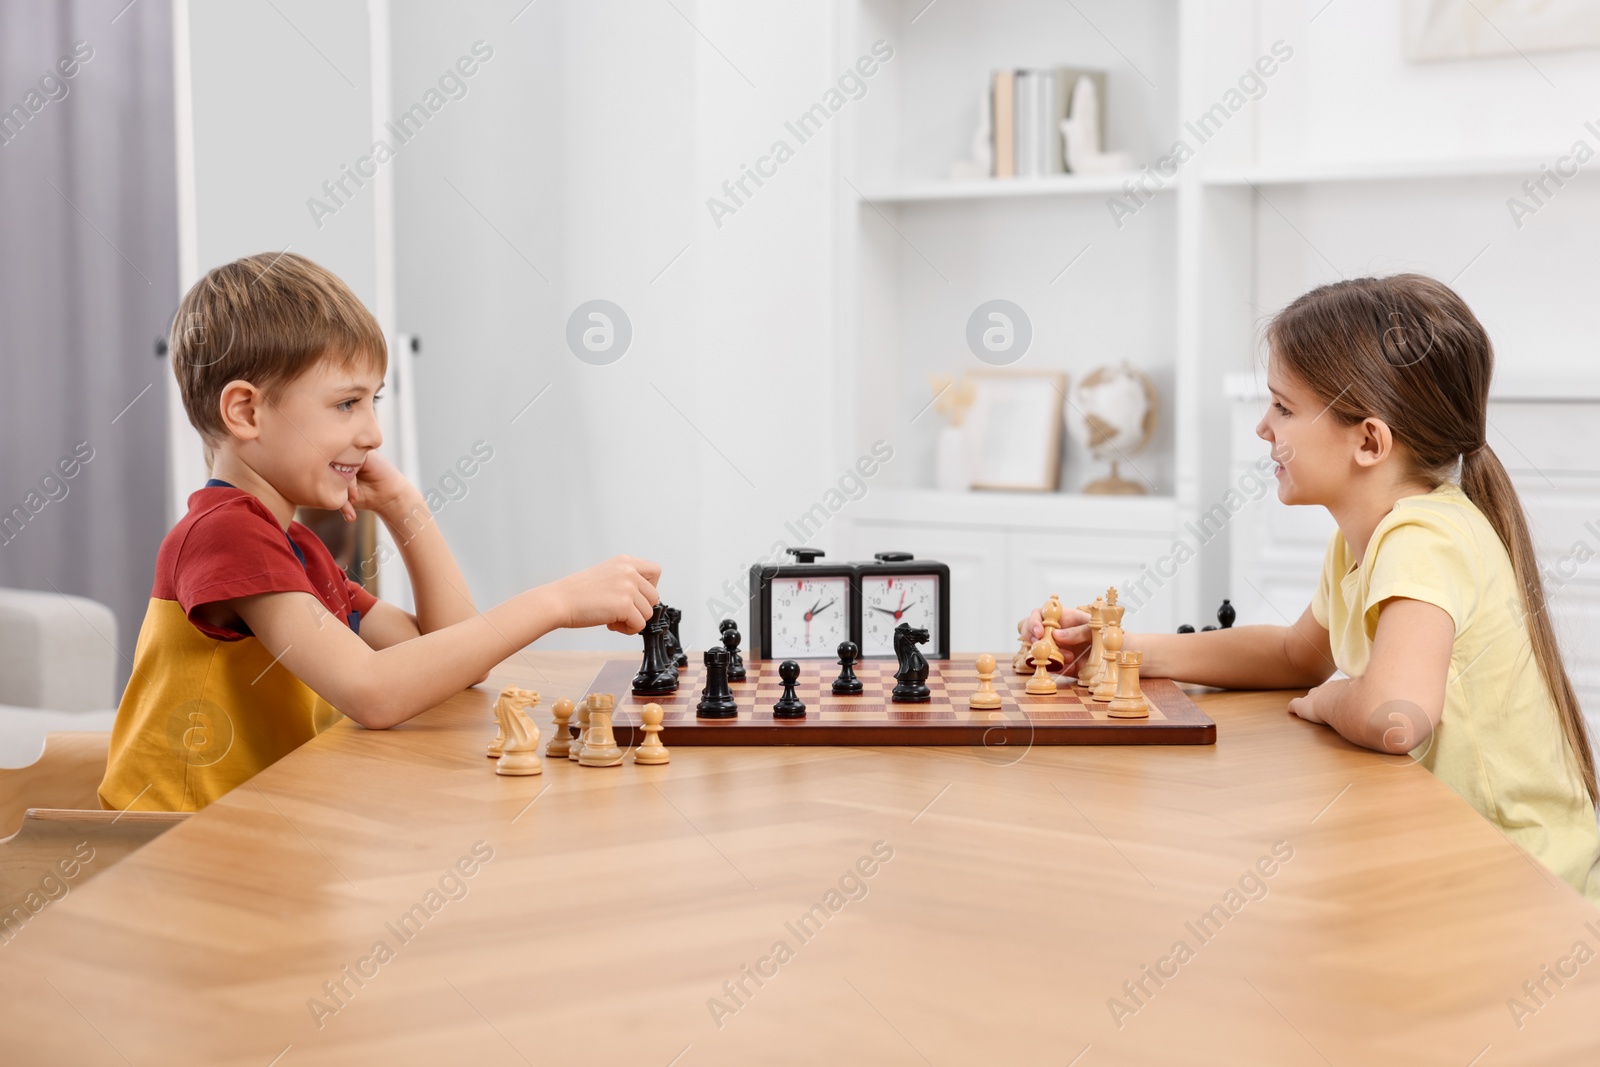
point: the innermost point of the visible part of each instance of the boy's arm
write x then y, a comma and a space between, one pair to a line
1397, 704
1243, 657
379, 688
437, 584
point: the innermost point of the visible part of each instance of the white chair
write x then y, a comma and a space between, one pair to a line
58, 670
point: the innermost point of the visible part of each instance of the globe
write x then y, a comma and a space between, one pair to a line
1112, 412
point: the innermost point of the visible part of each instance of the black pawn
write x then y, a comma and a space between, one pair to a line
1207, 628
847, 684
716, 700
679, 657
789, 705
1186, 628
1226, 614
730, 641
657, 676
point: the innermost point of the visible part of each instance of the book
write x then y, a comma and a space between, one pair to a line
1005, 109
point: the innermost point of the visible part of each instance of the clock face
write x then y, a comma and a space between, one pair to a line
810, 616
887, 600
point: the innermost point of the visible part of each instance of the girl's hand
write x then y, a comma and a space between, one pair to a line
1317, 704
379, 487
1072, 637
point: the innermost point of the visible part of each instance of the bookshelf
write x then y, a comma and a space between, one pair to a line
918, 251
1351, 161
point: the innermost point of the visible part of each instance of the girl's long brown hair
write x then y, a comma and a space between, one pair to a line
1406, 349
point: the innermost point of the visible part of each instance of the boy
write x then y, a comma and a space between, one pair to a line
254, 641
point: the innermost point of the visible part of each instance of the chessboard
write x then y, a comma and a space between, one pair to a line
1067, 718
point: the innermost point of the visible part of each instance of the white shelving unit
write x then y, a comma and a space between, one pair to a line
918, 252
1350, 161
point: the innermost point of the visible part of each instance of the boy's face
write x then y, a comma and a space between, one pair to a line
315, 435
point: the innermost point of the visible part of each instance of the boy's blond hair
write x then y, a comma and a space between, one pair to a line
265, 319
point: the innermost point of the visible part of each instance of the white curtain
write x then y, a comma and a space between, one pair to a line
88, 283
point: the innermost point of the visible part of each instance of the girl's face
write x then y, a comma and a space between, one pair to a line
1313, 449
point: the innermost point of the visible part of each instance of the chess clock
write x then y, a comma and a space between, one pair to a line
802, 610
896, 587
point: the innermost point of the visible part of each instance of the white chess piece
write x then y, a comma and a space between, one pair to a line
520, 753
652, 751
510, 694
985, 698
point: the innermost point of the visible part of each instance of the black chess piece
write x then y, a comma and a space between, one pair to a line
911, 680
1186, 628
789, 705
657, 675
1226, 614
716, 700
847, 684
730, 641
680, 659
1207, 628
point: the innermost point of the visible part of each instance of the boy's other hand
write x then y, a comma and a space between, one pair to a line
617, 594
1072, 637
379, 487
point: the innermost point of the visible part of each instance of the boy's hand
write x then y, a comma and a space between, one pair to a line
617, 594
379, 487
1073, 636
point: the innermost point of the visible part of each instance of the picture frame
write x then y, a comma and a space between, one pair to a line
1014, 430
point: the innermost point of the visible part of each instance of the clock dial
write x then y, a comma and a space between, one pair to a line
810, 616
890, 599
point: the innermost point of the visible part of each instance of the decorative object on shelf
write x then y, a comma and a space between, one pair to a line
952, 466
1015, 429
1112, 412
1082, 136
1458, 29
1028, 115
1025, 115
981, 164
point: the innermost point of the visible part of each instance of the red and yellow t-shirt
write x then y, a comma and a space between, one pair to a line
207, 708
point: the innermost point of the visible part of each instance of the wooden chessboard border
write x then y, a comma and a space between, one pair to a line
1023, 719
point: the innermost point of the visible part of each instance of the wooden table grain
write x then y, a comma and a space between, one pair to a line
1278, 898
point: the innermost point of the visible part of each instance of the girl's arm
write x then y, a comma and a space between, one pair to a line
1245, 657
1396, 705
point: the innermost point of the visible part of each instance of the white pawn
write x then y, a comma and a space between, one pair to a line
652, 751
985, 699
1042, 684
560, 736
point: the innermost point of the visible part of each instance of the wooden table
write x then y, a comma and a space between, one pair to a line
1025, 888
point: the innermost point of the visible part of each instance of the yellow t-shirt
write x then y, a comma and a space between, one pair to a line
1500, 743
207, 708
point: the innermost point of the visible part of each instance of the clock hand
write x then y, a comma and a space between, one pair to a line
886, 611
907, 608
825, 607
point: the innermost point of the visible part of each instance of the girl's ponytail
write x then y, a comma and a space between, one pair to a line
1487, 485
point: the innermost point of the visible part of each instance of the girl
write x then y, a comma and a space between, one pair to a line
1430, 600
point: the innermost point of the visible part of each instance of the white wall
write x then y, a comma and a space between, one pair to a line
280, 98
1350, 97
587, 146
